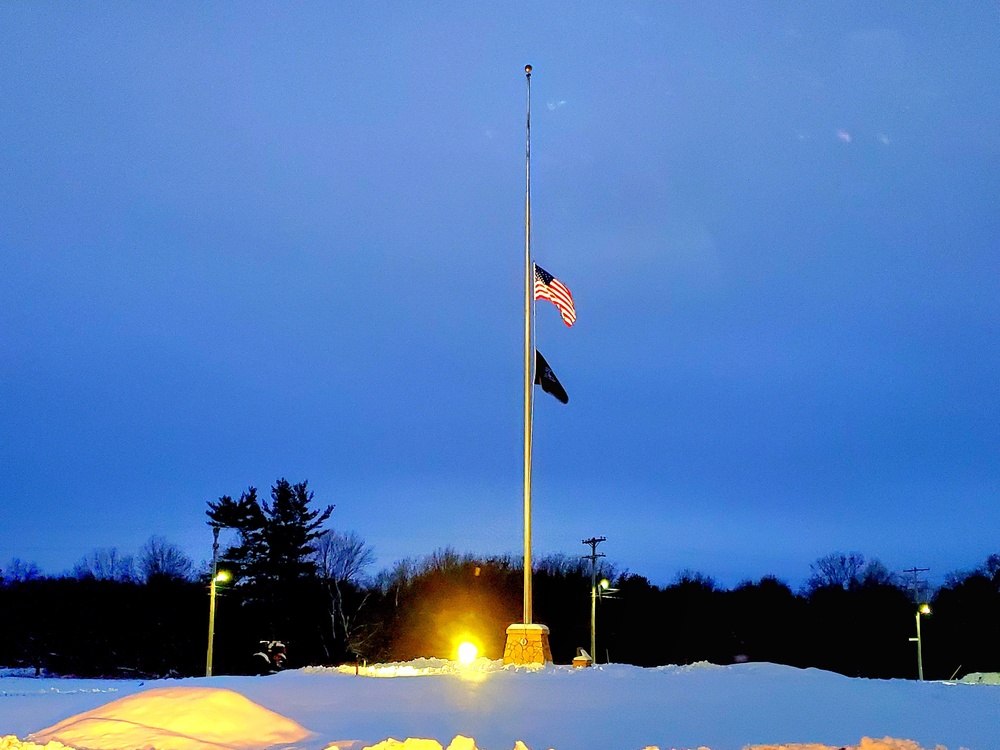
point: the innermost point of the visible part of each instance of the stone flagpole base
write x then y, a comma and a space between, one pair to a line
527, 644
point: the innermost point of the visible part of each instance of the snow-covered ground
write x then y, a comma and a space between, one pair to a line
603, 708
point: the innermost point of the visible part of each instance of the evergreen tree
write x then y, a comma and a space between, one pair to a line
290, 527
276, 580
247, 517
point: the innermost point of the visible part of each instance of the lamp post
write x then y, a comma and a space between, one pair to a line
218, 576
923, 609
594, 554
595, 592
221, 577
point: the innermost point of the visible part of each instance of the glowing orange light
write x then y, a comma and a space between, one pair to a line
467, 652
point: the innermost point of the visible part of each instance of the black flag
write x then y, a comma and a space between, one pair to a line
547, 379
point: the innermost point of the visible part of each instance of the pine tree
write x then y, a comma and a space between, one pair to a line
276, 581
246, 517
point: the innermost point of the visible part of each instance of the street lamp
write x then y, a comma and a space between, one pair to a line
593, 556
597, 590
220, 577
923, 609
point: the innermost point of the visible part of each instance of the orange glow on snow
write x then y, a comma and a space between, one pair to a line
182, 718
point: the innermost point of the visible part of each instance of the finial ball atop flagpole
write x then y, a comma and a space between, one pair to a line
527, 69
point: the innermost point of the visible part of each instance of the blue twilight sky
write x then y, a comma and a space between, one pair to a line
243, 241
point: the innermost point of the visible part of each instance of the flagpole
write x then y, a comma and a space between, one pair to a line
528, 358
527, 643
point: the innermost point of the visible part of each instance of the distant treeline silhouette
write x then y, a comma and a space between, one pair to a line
148, 616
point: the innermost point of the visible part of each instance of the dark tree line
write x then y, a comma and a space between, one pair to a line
296, 582
92, 627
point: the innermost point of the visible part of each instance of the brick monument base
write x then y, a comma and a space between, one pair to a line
527, 644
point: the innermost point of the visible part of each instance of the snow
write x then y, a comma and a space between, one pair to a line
186, 718
984, 678
487, 705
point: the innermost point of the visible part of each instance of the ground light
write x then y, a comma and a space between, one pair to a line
467, 652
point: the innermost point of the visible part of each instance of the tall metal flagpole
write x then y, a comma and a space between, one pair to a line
528, 358
528, 643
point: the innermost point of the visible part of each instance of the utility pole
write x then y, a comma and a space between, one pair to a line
922, 609
915, 572
594, 554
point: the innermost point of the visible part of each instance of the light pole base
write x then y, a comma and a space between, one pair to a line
527, 644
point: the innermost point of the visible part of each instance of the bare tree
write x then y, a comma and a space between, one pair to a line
342, 557
341, 560
158, 558
106, 564
835, 569
688, 577
847, 571
875, 573
18, 570
991, 568
397, 578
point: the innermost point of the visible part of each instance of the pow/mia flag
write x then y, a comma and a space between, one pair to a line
547, 379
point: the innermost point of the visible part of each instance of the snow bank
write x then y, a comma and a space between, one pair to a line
467, 743
867, 743
982, 678
180, 718
425, 666
10, 742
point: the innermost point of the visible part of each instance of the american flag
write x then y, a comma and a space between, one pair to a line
549, 287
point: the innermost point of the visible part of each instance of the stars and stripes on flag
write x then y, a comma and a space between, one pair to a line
549, 287
547, 379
